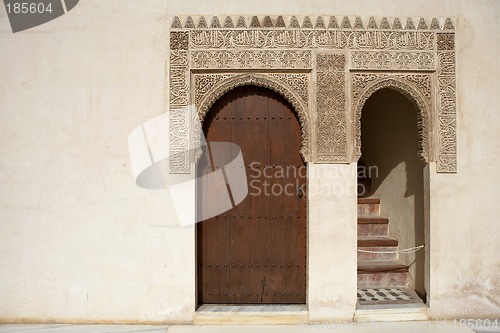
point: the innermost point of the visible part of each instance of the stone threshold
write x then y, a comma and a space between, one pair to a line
390, 313
251, 314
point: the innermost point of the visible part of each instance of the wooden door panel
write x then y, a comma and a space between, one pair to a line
256, 252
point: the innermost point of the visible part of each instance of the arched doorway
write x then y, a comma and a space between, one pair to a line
392, 165
255, 253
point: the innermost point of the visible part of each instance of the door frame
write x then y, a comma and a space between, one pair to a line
202, 48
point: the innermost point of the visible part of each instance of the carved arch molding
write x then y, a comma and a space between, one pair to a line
326, 67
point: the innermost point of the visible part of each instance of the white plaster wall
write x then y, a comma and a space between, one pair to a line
77, 242
464, 228
332, 242
77, 237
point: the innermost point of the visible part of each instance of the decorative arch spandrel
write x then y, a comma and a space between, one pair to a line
210, 87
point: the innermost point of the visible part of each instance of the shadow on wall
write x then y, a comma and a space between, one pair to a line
390, 142
390, 137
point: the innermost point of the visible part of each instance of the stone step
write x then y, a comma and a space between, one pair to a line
373, 226
373, 274
381, 241
377, 253
389, 266
368, 207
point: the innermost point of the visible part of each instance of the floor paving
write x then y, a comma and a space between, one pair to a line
406, 327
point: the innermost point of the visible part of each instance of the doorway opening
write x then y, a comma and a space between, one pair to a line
255, 252
391, 232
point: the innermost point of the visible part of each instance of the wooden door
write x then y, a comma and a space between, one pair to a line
256, 252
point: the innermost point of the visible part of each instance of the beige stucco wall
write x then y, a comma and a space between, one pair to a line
80, 242
332, 242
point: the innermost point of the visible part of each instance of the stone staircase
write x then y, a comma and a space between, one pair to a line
377, 265
383, 292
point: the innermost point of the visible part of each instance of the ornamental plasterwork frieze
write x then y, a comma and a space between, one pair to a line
393, 60
251, 59
309, 60
303, 38
447, 105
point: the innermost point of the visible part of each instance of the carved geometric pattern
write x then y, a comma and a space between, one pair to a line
346, 23
307, 23
278, 52
228, 22
447, 157
179, 40
189, 23
434, 24
292, 86
241, 22
409, 24
416, 87
372, 24
384, 24
267, 22
422, 25
280, 22
396, 25
294, 23
215, 22
202, 23
176, 23
358, 23
333, 23
445, 41
448, 25
320, 23
255, 22
298, 82
331, 108
421, 82
251, 59
203, 83
392, 60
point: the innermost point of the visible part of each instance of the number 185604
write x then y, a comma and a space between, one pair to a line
28, 8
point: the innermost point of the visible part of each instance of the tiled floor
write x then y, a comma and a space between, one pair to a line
407, 327
388, 296
82, 329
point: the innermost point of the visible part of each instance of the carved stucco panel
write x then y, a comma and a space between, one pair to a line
251, 59
310, 39
179, 89
331, 137
447, 156
408, 52
392, 60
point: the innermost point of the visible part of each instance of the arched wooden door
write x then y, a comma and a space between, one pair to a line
256, 252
